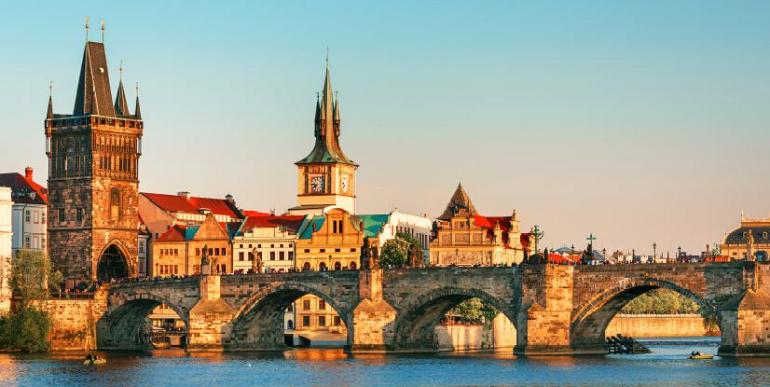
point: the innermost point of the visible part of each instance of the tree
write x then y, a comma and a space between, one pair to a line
474, 311
401, 251
26, 328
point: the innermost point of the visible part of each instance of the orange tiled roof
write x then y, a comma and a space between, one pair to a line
193, 205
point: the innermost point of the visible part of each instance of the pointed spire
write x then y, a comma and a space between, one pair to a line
49, 114
336, 109
121, 105
459, 200
93, 93
137, 110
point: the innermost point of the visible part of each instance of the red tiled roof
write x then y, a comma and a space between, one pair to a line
248, 213
488, 222
290, 222
563, 259
21, 186
193, 205
173, 234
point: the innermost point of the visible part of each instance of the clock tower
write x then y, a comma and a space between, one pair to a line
326, 177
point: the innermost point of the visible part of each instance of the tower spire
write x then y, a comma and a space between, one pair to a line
137, 110
88, 19
121, 104
49, 114
102, 26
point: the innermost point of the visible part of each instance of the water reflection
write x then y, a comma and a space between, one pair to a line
666, 365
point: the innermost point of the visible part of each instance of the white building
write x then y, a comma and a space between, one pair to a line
29, 210
419, 227
6, 234
269, 237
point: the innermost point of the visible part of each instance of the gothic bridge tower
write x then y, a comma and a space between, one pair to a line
93, 169
326, 176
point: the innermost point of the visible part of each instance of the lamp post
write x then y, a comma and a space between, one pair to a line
679, 253
654, 250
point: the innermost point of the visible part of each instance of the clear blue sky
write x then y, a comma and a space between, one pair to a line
639, 121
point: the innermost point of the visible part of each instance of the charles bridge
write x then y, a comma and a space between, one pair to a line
555, 309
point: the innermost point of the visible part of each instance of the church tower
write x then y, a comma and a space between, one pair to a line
326, 177
93, 169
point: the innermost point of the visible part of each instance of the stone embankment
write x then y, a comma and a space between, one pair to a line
659, 325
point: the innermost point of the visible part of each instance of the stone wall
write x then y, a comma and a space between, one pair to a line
498, 335
657, 325
73, 322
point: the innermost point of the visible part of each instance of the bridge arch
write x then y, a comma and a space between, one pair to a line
590, 320
124, 325
259, 323
419, 315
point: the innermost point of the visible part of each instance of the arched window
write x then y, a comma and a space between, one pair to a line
353, 266
322, 266
290, 324
337, 266
115, 204
306, 266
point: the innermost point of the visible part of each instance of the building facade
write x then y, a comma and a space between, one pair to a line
749, 241
463, 237
30, 209
269, 239
6, 234
326, 178
419, 227
179, 251
93, 177
159, 212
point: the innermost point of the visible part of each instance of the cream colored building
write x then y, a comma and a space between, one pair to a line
6, 234
749, 241
269, 238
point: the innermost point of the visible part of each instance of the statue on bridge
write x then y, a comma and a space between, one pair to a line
257, 265
205, 263
370, 258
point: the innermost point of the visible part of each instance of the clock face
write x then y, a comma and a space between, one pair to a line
345, 184
317, 184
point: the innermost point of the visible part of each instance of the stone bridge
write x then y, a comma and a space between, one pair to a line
556, 309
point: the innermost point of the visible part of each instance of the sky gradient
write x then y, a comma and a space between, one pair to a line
637, 121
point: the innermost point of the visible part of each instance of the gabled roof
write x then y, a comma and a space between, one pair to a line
193, 205
23, 188
291, 223
459, 200
121, 104
176, 233
93, 93
489, 222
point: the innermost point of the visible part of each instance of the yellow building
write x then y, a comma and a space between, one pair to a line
749, 241
179, 250
466, 238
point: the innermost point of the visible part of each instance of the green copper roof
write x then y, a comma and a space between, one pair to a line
372, 224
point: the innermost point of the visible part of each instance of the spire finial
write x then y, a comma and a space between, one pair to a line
102, 27
327, 57
121, 68
50, 89
87, 27
137, 89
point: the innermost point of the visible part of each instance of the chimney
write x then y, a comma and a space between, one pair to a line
184, 194
229, 199
28, 173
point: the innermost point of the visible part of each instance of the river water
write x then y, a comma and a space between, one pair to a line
667, 365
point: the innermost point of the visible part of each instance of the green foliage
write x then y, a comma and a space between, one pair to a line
399, 251
661, 301
30, 270
26, 330
474, 311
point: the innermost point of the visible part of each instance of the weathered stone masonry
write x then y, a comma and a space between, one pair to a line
556, 309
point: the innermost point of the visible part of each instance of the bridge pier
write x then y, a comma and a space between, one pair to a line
372, 325
745, 319
210, 318
546, 307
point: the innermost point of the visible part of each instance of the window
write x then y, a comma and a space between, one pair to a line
281, 256
271, 246
322, 250
241, 256
115, 204
290, 308
79, 214
305, 304
42, 217
306, 321
61, 215
291, 255
272, 255
337, 321
290, 324
336, 250
321, 305
321, 321
27, 216
216, 251
307, 250
197, 252
27, 241
353, 250
42, 242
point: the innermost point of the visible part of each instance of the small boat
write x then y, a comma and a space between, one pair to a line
701, 356
95, 361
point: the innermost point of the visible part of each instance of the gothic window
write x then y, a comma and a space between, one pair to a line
115, 204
